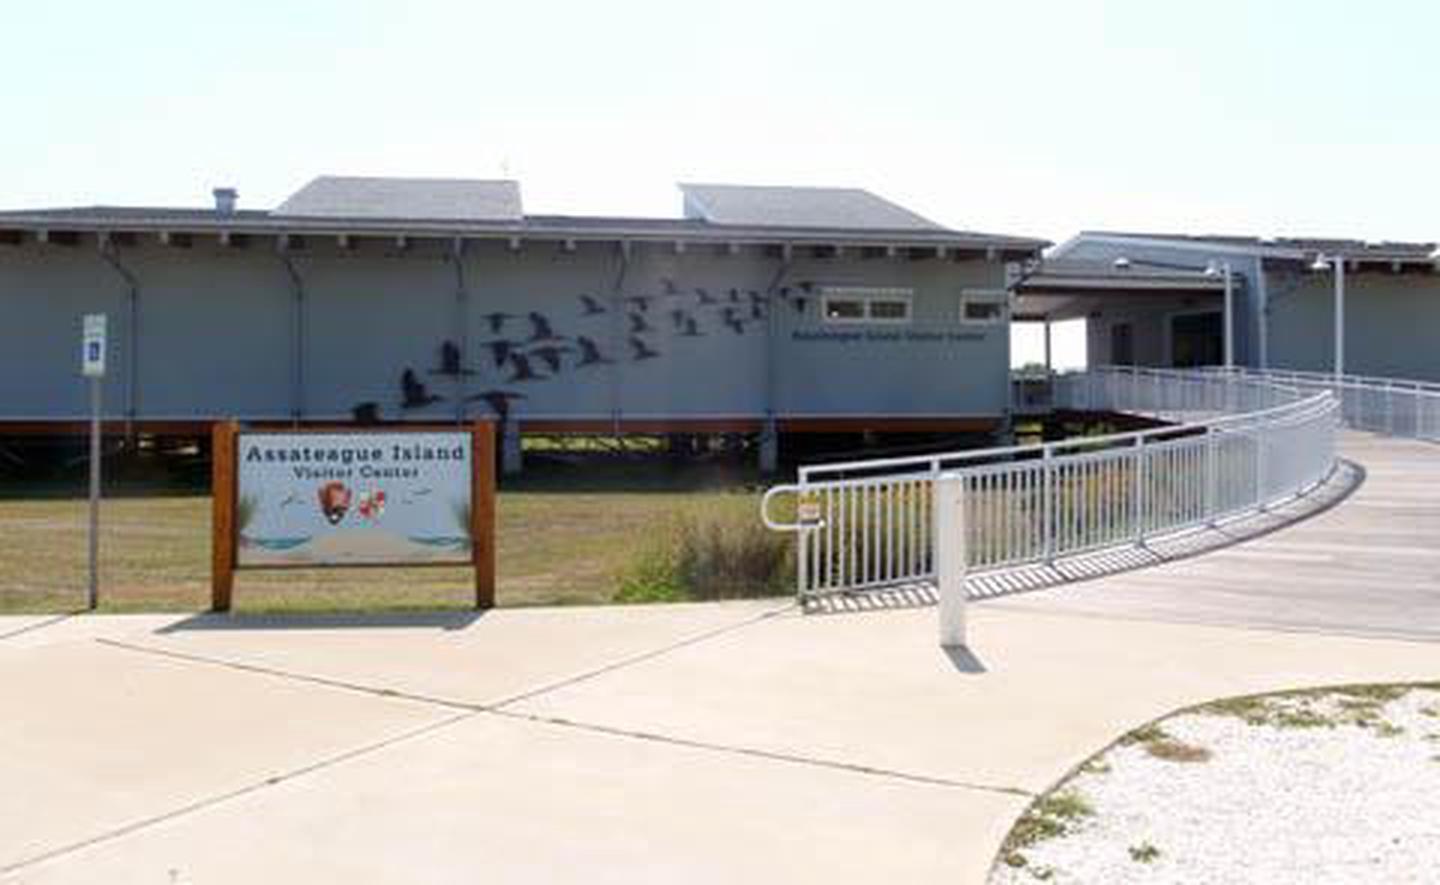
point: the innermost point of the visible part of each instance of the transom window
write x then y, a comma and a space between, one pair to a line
849, 304
984, 307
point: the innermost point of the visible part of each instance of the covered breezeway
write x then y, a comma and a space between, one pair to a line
1137, 313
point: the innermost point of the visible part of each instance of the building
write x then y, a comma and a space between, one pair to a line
762, 310
1160, 299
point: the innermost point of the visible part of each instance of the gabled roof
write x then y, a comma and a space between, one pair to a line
813, 207
1274, 247
431, 199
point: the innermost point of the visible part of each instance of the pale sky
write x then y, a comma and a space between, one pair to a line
1039, 118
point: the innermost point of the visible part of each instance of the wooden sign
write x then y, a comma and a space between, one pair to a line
353, 497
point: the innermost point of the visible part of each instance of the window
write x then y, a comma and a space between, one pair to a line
985, 308
855, 305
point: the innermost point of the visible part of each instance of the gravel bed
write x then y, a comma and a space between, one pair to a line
1340, 785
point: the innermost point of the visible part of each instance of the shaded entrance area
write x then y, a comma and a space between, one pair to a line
1135, 315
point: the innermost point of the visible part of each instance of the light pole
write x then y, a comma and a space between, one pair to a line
1323, 263
1215, 269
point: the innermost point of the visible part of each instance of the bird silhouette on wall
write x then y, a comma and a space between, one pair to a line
498, 401
550, 355
592, 306
668, 286
450, 361
798, 302
732, 319
641, 350
734, 296
497, 321
523, 371
541, 330
757, 311
500, 350
679, 316
638, 325
641, 302
705, 297
691, 329
413, 392
365, 413
757, 298
590, 354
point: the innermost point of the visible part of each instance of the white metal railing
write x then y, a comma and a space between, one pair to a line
1392, 406
1236, 443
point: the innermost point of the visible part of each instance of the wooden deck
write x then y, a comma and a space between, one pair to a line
1368, 566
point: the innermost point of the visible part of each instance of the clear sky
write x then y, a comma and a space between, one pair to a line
1043, 118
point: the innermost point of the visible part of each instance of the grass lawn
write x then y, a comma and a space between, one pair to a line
564, 536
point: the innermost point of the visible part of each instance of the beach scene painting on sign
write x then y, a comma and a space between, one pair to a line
353, 498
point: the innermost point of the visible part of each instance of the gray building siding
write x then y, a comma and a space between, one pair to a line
217, 331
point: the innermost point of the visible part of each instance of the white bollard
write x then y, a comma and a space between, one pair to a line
949, 540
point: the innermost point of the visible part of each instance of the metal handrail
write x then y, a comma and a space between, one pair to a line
1238, 443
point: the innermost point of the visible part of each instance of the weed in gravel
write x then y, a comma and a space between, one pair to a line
1144, 853
1160, 744
1049, 818
1096, 766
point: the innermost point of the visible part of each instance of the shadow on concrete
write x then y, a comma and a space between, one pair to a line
963, 659
1348, 477
440, 620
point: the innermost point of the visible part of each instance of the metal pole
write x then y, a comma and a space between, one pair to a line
1229, 317
1339, 317
93, 596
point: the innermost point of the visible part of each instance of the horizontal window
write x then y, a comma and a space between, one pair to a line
856, 305
984, 308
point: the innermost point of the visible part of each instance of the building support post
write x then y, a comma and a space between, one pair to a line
769, 446
297, 330
1229, 317
512, 459
1339, 317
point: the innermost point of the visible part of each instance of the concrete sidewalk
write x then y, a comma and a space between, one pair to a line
700, 743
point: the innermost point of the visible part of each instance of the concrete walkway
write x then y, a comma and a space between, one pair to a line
699, 743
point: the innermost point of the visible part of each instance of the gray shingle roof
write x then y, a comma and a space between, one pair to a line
813, 207
432, 199
1351, 248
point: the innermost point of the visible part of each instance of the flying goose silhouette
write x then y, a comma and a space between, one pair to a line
642, 302
590, 353
413, 392
638, 324
691, 329
497, 400
550, 355
592, 306
500, 350
732, 319
497, 321
541, 328
705, 297
523, 371
642, 351
734, 296
757, 311
678, 316
450, 361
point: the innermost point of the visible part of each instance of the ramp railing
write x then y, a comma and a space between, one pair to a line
1237, 443
1390, 406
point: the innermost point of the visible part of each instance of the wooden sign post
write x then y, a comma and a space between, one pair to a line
410, 471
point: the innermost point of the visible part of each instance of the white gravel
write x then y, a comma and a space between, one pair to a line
1341, 804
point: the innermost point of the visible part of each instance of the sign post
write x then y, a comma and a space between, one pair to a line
92, 366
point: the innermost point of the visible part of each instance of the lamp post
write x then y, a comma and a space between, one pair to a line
1337, 262
1215, 269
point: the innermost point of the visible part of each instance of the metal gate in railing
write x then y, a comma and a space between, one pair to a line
1246, 442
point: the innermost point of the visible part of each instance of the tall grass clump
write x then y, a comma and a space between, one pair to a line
711, 557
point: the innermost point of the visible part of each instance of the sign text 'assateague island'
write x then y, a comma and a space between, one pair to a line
353, 498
